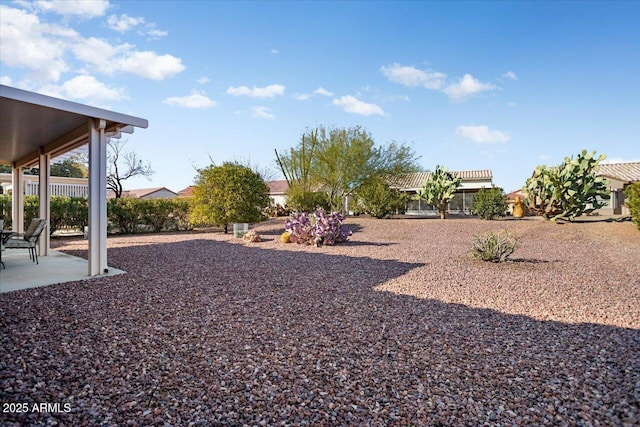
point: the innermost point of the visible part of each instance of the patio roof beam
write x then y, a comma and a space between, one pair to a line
69, 141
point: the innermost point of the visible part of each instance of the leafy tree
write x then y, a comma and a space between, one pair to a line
73, 167
489, 203
338, 161
439, 189
378, 199
229, 193
632, 193
123, 165
568, 190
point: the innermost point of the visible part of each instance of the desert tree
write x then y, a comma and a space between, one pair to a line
123, 165
229, 193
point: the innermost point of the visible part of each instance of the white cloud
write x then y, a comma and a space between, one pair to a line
99, 54
88, 87
482, 134
510, 75
82, 8
512, 104
203, 80
123, 23
150, 65
467, 86
322, 91
6, 80
84, 88
47, 49
155, 34
411, 76
262, 112
257, 92
352, 104
108, 59
196, 100
301, 96
28, 43
275, 51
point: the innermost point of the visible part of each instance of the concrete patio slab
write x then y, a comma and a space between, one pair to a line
57, 267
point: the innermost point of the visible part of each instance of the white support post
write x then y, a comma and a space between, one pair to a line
97, 197
44, 201
17, 200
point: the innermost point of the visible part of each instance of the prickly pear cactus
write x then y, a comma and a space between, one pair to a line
568, 190
439, 189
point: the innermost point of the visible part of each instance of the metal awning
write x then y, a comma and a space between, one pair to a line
35, 128
34, 124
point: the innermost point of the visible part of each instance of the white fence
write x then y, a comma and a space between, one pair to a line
68, 190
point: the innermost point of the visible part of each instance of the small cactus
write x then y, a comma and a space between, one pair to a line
285, 237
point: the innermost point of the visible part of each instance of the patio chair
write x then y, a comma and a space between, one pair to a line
29, 239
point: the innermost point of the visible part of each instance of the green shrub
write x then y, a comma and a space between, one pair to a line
156, 213
378, 199
124, 214
181, 215
489, 203
494, 246
127, 215
30, 209
632, 194
77, 212
302, 200
70, 212
5, 210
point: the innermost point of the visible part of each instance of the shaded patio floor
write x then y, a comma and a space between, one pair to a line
57, 267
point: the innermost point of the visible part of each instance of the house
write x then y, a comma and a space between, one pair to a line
278, 192
472, 182
150, 193
620, 176
186, 192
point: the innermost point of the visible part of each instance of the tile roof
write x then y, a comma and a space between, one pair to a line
278, 187
629, 171
418, 179
142, 192
186, 192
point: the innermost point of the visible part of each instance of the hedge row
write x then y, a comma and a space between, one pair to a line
125, 215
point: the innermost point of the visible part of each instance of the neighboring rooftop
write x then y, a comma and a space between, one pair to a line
278, 187
186, 192
627, 172
416, 180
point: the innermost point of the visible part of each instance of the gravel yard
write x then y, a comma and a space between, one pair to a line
399, 327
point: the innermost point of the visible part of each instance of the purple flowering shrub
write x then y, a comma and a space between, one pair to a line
325, 229
300, 228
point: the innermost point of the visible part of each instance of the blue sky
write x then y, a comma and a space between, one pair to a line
496, 85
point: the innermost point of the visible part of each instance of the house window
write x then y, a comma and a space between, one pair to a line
456, 203
468, 200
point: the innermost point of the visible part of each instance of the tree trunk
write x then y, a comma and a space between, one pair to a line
226, 228
443, 214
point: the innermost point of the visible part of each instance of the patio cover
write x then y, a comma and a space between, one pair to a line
36, 128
